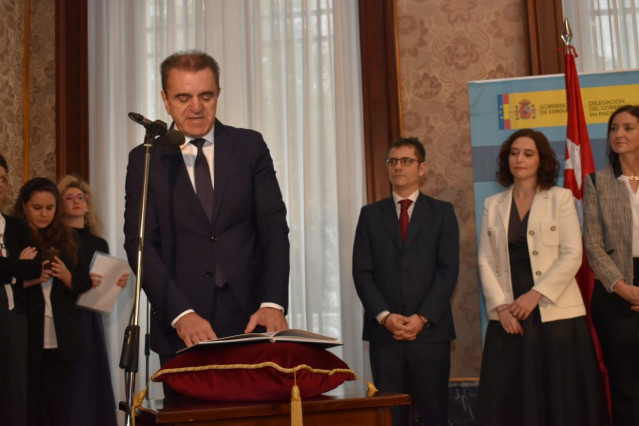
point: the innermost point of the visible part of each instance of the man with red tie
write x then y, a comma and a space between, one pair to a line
405, 267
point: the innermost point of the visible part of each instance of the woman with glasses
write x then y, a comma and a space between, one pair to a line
54, 335
91, 372
539, 366
18, 261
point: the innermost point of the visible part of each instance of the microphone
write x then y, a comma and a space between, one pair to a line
157, 127
172, 137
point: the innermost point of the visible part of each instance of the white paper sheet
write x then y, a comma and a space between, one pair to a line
103, 297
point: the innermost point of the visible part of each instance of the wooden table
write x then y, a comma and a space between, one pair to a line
346, 405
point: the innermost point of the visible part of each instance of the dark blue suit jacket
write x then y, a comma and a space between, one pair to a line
416, 277
247, 236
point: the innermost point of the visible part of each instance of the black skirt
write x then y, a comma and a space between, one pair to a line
547, 377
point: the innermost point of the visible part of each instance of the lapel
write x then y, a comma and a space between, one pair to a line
418, 219
7, 238
223, 163
503, 206
391, 221
539, 204
173, 161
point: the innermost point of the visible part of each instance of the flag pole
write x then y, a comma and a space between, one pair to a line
566, 36
578, 164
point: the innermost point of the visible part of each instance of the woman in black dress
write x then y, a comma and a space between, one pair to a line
539, 365
90, 393
54, 335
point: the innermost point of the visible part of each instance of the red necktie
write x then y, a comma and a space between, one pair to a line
403, 217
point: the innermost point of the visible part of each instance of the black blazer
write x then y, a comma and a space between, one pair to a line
416, 277
247, 237
16, 237
63, 304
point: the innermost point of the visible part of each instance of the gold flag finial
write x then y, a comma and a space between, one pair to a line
566, 36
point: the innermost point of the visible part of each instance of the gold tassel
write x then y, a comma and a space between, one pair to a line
137, 402
372, 390
296, 404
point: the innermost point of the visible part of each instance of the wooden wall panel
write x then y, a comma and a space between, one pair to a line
544, 25
380, 91
72, 73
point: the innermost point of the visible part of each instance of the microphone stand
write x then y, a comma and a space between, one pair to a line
131, 344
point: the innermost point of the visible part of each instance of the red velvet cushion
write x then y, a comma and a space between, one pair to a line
241, 383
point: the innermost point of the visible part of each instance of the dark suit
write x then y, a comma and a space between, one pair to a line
417, 277
247, 236
13, 324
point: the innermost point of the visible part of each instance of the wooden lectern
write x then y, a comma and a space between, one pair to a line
347, 405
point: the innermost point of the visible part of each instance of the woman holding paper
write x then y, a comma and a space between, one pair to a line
90, 396
54, 341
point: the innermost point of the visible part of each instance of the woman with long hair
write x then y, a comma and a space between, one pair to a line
611, 240
54, 335
91, 371
539, 366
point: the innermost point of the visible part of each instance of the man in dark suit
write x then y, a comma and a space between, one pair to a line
217, 264
405, 267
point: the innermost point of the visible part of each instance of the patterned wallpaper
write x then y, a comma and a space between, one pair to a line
444, 44
42, 96
42, 91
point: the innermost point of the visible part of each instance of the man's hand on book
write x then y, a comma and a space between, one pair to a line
194, 329
271, 318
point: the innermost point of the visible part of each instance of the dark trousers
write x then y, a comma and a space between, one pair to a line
419, 369
13, 365
618, 331
47, 390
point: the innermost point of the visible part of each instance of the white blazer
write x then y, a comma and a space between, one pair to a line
554, 245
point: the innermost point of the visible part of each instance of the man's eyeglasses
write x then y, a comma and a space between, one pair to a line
79, 197
405, 161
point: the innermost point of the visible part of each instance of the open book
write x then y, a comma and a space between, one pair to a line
290, 335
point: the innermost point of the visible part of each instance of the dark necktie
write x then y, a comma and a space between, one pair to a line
204, 190
203, 184
403, 217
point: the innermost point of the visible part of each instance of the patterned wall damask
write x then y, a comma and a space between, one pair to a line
42, 96
42, 91
11, 121
444, 44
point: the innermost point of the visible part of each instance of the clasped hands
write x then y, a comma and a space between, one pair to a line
193, 329
629, 293
519, 310
403, 327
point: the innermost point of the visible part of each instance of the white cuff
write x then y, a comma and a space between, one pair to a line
271, 305
379, 317
188, 311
